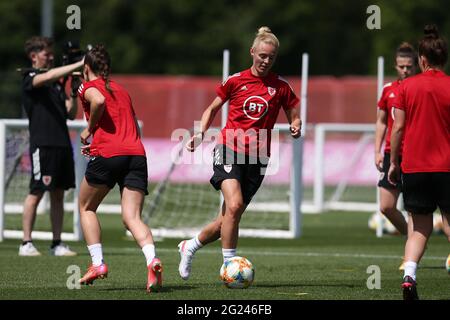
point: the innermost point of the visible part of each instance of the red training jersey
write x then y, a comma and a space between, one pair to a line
385, 104
254, 104
115, 134
425, 98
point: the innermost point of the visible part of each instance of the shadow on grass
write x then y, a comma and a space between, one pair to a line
295, 285
433, 267
166, 289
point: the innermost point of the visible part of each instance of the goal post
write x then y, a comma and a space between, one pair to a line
358, 146
14, 149
186, 202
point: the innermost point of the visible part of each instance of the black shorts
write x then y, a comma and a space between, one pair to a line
383, 181
231, 165
51, 168
423, 192
130, 171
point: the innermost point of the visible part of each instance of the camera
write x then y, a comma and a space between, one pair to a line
72, 52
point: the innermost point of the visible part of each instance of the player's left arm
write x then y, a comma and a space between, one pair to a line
293, 117
396, 139
97, 107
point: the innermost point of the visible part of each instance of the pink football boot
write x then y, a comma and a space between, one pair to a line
154, 277
93, 273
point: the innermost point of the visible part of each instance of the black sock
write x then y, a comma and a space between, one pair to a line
25, 242
56, 243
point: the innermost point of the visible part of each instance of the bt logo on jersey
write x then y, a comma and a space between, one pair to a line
255, 107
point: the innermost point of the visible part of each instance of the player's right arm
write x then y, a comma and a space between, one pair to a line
96, 107
380, 132
138, 128
56, 73
207, 118
295, 122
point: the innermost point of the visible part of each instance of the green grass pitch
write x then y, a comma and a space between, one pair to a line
329, 261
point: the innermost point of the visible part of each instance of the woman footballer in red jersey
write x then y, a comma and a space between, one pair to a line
422, 114
255, 97
116, 156
405, 67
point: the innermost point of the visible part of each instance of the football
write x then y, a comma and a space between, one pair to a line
388, 227
237, 273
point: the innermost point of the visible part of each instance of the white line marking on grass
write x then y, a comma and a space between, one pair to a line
256, 252
259, 252
293, 294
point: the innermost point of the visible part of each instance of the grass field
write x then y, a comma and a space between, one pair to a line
329, 261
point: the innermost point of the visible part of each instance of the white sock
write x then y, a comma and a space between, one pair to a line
193, 245
96, 254
410, 269
149, 253
228, 253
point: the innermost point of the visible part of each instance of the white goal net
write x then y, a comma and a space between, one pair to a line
182, 200
15, 168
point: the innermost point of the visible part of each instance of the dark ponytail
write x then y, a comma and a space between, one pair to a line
431, 31
99, 61
433, 47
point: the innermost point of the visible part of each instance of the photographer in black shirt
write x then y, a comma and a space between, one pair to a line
48, 108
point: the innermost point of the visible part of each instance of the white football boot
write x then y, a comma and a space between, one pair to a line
28, 250
62, 250
186, 260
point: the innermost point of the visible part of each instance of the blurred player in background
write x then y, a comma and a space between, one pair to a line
422, 116
116, 156
255, 97
405, 66
48, 108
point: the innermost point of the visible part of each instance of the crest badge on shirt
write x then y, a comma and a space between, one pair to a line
47, 180
228, 168
271, 91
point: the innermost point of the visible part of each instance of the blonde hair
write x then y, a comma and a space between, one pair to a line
265, 35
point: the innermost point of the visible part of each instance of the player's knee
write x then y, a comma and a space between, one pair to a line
126, 221
129, 220
235, 207
388, 210
217, 225
34, 199
87, 211
82, 206
85, 207
32, 203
